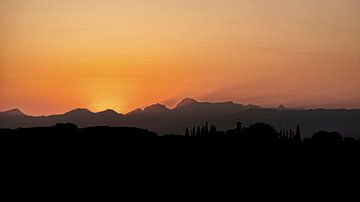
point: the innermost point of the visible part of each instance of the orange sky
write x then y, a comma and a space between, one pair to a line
121, 54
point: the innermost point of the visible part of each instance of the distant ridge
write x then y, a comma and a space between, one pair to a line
109, 112
79, 111
186, 102
135, 111
13, 112
156, 108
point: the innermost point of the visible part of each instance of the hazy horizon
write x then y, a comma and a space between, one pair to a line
172, 106
120, 54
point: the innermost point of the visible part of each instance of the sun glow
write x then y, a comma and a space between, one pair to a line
104, 104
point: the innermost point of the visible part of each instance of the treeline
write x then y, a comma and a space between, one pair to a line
70, 134
259, 133
265, 133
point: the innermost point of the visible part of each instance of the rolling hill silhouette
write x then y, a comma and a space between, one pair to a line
190, 112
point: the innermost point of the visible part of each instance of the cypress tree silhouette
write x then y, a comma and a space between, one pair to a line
198, 132
206, 129
239, 127
203, 131
187, 132
298, 134
213, 130
193, 132
287, 134
283, 133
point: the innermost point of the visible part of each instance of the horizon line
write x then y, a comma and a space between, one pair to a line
175, 106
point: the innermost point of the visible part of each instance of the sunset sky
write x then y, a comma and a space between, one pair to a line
56, 55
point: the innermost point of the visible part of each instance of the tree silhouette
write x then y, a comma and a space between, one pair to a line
198, 132
324, 137
261, 133
193, 132
206, 129
187, 132
213, 130
238, 127
297, 137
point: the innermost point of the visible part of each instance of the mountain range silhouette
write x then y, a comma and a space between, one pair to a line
190, 112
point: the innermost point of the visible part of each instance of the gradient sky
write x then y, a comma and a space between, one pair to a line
56, 55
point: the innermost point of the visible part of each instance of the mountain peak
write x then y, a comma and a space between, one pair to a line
14, 112
79, 111
156, 107
135, 111
186, 102
109, 112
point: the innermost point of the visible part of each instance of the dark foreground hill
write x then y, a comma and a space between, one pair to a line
253, 153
